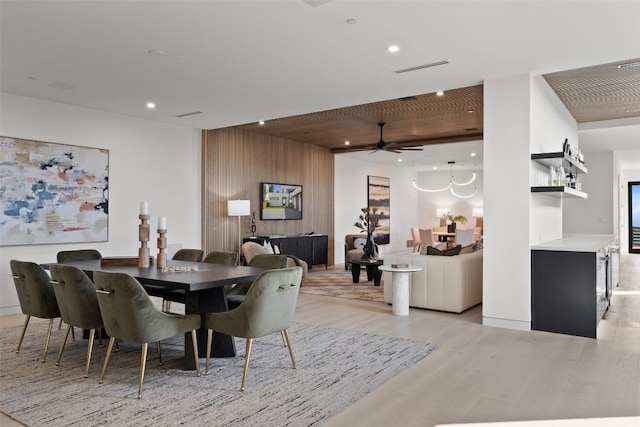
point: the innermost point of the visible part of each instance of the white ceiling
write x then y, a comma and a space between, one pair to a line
241, 61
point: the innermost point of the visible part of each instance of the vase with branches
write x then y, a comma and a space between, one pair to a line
453, 219
368, 221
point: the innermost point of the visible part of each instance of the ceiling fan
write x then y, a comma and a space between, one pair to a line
391, 147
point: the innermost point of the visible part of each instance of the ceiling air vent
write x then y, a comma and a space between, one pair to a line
408, 98
189, 114
420, 67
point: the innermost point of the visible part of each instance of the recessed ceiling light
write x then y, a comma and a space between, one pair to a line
261, 122
346, 143
399, 160
155, 52
439, 93
435, 168
470, 111
629, 64
151, 105
352, 21
393, 48
473, 154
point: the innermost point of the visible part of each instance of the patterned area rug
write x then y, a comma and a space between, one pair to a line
334, 369
338, 282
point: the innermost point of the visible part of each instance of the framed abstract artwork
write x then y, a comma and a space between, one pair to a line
379, 197
52, 193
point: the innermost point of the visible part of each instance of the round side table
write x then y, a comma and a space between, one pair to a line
400, 282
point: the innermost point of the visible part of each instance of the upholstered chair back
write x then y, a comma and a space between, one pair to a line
426, 237
193, 255
76, 297
464, 237
78, 255
221, 257
35, 292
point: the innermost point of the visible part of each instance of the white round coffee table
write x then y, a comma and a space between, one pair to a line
400, 282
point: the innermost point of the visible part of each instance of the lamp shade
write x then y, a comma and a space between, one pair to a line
441, 211
477, 212
238, 207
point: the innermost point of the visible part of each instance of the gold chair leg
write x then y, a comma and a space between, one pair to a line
194, 340
60, 324
285, 333
209, 339
64, 342
46, 341
284, 340
92, 334
246, 362
24, 329
143, 364
159, 352
106, 359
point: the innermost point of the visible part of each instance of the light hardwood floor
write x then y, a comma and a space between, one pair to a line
485, 374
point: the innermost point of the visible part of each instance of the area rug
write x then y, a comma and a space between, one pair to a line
334, 369
337, 282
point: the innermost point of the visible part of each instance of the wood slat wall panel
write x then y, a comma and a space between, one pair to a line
235, 162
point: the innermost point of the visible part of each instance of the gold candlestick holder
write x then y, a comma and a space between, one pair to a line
162, 245
143, 237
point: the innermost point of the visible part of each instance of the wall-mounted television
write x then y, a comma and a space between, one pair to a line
280, 201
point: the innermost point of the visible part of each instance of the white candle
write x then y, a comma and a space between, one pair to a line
144, 208
162, 223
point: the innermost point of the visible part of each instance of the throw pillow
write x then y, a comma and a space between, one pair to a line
468, 249
434, 251
452, 251
267, 247
358, 243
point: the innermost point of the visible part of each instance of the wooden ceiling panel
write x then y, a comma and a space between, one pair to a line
601, 92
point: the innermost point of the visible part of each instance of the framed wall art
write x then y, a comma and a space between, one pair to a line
379, 197
52, 193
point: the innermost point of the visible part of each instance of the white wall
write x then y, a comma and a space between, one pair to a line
521, 115
351, 196
595, 215
147, 161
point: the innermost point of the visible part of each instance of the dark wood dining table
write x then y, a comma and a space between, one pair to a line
204, 293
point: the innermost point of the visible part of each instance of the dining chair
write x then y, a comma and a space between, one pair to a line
36, 297
193, 255
214, 257
129, 315
415, 235
267, 309
426, 237
78, 255
464, 237
76, 296
237, 293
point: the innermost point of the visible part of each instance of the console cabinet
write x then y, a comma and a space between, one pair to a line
313, 249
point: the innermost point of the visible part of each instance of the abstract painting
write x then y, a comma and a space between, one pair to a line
52, 193
379, 189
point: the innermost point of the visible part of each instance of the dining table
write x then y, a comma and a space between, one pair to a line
204, 293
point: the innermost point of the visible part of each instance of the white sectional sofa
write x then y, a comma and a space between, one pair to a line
445, 283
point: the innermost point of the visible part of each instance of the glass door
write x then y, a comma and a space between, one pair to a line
634, 217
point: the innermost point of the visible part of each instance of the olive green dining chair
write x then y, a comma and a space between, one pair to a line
268, 308
193, 255
78, 255
236, 294
76, 296
129, 315
36, 297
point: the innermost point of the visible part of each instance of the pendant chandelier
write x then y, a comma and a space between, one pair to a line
450, 186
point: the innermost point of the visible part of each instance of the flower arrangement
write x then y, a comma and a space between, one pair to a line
368, 220
454, 218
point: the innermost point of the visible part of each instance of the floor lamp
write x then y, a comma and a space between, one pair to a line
239, 208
